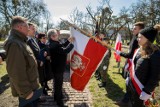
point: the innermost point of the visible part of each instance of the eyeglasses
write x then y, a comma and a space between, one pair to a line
24, 25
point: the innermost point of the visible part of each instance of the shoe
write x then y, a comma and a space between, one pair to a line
122, 104
102, 84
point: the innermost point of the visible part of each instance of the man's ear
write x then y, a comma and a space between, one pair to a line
17, 27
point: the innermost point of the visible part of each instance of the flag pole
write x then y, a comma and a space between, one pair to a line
89, 35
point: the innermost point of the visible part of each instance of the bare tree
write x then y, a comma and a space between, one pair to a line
31, 9
147, 11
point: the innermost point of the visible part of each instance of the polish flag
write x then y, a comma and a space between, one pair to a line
118, 47
85, 59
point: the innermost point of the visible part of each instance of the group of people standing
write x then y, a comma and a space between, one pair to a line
33, 60
144, 74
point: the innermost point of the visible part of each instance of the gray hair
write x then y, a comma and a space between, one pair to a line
51, 32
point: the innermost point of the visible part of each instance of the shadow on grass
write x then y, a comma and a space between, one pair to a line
114, 92
4, 83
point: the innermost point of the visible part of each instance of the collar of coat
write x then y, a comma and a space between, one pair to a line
16, 34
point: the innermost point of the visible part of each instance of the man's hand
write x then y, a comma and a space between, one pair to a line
144, 96
71, 39
41, 63
104, 43
48, 57
118, 52
29, 96
45, 54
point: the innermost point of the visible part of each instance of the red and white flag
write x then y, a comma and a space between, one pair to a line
85, 59
118, 47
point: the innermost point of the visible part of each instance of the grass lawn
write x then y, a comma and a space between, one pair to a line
115, 89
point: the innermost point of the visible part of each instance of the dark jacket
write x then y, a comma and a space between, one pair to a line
35, 48
21, 65
58, 54
46, 68
132, 47
147, 71
43, 48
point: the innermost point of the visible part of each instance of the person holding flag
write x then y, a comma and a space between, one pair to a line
58, 52
133, 44
132, 47
145, 70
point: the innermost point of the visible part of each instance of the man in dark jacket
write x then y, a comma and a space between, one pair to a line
132, 47
58, 54
36, 50
21, 65
32, 41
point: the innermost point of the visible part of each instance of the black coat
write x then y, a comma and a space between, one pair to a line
46, 68
35, 48
132, 47
147, 71
58, 54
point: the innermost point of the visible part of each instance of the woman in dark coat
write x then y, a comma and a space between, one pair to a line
145, 71
45, 58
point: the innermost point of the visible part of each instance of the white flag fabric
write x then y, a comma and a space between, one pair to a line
85, 59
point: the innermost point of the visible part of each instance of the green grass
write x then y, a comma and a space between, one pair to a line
115, 89
3, 69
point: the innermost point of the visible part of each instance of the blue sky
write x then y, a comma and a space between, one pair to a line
62, 8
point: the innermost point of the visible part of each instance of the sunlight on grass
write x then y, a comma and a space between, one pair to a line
3, 69
105, 97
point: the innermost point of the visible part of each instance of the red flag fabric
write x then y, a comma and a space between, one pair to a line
118, 47
85, 59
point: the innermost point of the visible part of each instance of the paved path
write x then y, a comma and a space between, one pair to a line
72, 98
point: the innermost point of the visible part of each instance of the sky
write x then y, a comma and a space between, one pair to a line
63, 8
